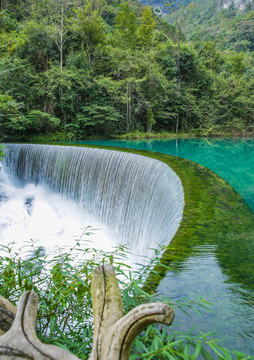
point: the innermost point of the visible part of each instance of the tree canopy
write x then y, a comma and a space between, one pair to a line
99, 68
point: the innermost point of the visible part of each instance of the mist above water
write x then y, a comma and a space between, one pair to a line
33, 213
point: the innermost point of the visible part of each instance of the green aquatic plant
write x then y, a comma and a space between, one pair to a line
62, 283
1, 152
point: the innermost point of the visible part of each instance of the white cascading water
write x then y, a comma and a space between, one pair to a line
55, 190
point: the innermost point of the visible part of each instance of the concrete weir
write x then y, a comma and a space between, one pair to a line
139, 199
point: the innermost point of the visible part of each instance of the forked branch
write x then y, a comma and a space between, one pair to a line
113, 331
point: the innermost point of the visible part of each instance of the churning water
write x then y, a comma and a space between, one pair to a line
33, 213
52, 192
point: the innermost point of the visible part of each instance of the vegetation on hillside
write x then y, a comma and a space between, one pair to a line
97, 68
230, 28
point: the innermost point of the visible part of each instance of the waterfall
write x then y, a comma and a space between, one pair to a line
139, 199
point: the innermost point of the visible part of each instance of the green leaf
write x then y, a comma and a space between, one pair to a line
197, 351
52, 325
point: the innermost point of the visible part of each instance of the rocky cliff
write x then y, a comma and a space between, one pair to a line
240, 4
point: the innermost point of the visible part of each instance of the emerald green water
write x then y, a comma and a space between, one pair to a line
232, 159
215, 260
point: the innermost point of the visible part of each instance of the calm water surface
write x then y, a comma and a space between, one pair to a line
202, 273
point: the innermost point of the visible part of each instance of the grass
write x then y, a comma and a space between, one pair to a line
152, 135
194, 133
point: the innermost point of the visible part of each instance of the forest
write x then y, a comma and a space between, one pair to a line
99, 68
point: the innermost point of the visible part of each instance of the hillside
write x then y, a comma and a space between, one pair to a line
228, 23
96, 68
167, 6
161, 6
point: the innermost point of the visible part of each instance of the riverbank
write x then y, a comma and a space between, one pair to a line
167, 135
67, 136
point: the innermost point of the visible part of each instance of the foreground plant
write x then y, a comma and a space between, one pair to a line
1, 152
62, 283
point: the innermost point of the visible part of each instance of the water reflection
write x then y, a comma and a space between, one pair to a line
231, 315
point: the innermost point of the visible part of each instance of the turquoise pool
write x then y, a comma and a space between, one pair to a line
232, 159
208, 268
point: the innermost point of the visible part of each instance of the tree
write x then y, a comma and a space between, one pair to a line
150, 120
41, 122
126, 23
63, 92
37, 46
7, 20
180, 17
126, 36
146, 29
90, 27
211, 56
17, 79
237, 63
12, 121
154, 89
57, 17
101, 116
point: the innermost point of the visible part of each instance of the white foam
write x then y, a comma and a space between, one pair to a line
137, 200
32, 212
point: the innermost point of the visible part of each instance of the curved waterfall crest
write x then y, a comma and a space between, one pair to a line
139, 199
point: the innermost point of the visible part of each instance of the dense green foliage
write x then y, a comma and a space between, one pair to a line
95, 68
62, 284
1, 153
230, 27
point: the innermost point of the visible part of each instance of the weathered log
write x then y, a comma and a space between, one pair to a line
7, 315
21, 340
113, 331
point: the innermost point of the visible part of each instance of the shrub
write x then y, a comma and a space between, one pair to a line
62, 283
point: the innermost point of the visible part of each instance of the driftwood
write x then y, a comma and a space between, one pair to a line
7, 315
113, 331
